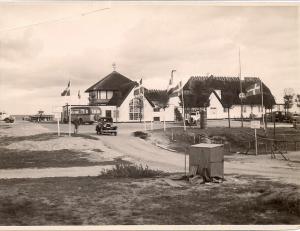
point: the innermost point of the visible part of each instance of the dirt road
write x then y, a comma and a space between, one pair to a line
144, 152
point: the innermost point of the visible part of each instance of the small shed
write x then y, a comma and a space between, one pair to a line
208, 157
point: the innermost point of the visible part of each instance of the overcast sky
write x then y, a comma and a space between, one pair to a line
36, 62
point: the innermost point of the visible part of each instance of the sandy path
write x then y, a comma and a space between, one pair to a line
22, 128
141, 151
53, 172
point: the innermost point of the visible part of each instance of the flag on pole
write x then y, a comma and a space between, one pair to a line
176, 90
171, 81
141, 89
79, 96
66, 92
254, 89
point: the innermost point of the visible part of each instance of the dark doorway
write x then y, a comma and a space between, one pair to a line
108, 113
156, 118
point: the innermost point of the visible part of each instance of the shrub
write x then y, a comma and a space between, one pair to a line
142, 135
130, 171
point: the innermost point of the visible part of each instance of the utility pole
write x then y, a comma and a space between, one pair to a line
241, 90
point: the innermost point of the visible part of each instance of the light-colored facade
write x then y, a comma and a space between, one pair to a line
217, 111
131, 111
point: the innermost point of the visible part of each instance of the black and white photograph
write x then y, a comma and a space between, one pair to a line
150, 115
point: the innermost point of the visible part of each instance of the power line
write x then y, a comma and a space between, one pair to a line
53, 20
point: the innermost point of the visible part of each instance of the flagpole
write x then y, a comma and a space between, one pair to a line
241, 89
70, 112
262, 104
141, 94
183, 113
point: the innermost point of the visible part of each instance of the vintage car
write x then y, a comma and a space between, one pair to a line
296, 120
105, 127
6, 117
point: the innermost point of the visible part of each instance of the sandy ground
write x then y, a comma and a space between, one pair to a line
141, 152
22, 129
53, 172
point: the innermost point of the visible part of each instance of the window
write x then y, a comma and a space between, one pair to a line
102, 94
105, 94
225, 109
96, 111
109, 94
75, 111
156, 109
135, 109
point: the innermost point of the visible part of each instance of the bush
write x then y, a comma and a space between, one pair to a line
142, 135
130, 171
284, 199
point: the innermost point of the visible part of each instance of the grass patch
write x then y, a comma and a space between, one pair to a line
234, 139
143, 201
130, 171
19, 210
140, 134
4, 126
14, 159
6, 140
285, 200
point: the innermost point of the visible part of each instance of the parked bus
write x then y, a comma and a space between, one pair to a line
84, 114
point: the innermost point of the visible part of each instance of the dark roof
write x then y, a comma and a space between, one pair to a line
113, 81
203, 86
120, 84
124, 90
157, 97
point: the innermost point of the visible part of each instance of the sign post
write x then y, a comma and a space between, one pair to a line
255, 124
57, 110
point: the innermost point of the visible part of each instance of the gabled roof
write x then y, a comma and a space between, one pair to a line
203, 86
156, 96
120, 84
124, 90
113, 81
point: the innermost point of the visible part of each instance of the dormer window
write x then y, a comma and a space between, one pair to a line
104, 94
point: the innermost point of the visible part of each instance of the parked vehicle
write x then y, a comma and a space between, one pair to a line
296, 120
192, 118
105, 127
84, 114
6, 117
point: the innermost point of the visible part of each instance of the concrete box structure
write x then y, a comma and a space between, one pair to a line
209, 156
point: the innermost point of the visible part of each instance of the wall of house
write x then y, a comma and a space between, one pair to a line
124, 110
167, 114
109, 108
216, 110
235, 111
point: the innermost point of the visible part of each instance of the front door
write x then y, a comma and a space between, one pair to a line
108, 113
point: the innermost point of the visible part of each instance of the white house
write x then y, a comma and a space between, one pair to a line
217, 95
125, 101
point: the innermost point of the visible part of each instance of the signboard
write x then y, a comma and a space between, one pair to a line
242, 96
255, 124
